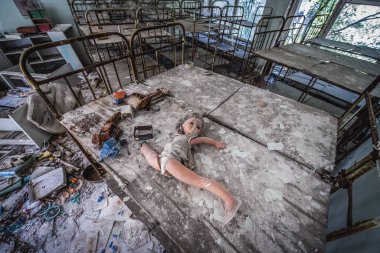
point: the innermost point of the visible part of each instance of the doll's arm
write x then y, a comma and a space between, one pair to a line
206, 140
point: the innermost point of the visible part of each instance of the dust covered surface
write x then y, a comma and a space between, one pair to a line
68, 232
195, 86
284, 204
308, 134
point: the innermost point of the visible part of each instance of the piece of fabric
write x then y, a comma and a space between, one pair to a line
61, 99
179, 149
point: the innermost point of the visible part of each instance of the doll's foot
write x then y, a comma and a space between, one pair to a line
230, 211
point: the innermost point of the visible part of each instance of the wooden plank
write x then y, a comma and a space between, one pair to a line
324, 55
363, 50
287, 58
339, 75
202, 89
344, 77
308, 134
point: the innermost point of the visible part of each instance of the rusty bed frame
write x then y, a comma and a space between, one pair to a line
128, 51
100, 66
103, 64
356, 126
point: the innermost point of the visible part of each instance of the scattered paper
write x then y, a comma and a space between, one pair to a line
91, 242
101, 198
45, 184
275, 146
219, 241
116, 210
104, 227
113, 244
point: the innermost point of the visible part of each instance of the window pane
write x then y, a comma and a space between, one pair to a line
357, 25
252, 13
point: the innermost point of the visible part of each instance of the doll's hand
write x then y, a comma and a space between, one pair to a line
220, 145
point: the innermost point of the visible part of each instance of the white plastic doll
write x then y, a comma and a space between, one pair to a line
176, 158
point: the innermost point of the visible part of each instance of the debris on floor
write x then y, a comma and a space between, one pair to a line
275, 146
48, 205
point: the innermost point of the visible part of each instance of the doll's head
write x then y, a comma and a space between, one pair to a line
191, 124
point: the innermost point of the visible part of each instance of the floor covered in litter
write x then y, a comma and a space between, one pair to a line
84, 217
99, 211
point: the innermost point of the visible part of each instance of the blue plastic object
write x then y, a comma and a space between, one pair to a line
75, 198
12, 172
111, 148
52, 211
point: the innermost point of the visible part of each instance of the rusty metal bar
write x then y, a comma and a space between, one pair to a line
357, 170
129, 20
262, 39
36, 84
349, 209
372, 86
372, 121
86, 153
363, 166
72, 91
139, 45
288, 28
30, 50
356, 228
89, 84
103, 70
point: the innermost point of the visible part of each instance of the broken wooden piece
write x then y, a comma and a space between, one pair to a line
44, 185
139, 101
108, 130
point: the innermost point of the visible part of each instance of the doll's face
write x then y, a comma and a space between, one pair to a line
192, 126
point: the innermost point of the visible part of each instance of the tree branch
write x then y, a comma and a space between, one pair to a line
369, 17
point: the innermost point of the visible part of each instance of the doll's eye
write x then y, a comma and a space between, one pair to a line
198, 127
191, 123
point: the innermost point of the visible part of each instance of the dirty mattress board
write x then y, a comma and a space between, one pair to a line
284, 203
308, 135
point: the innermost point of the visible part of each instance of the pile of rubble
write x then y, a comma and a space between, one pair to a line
47, 204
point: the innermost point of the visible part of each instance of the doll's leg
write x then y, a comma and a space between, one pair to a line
184, 174
152, 158
150, 155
